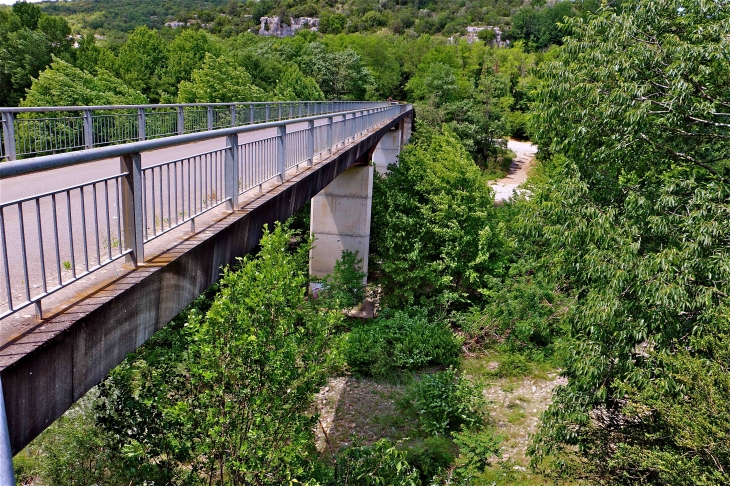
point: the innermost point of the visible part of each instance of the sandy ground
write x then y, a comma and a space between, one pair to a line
506, 187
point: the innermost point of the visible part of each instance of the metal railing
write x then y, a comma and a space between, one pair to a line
31, 132
51, 239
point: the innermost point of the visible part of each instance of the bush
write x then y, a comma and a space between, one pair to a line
400, 340
513, 365
430, 456
445, 401
381, 463
344, 288
476, 449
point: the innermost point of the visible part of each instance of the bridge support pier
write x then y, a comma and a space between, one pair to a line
389, 147
340, 219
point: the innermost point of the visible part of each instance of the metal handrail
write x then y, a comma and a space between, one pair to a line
115, 124
49, 240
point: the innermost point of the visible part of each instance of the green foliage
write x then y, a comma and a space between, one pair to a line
436, 235
219, 80
477, 448
632, 219
340, 74
430, 456
186, 53
400, 340
294, 86
142, 61
227, 395
382, 463
445, 401
65, 85
345, 286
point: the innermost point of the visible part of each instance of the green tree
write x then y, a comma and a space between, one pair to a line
28, 13
226, 398
294, 86
186, 53
219, 80
340, 74
65, 85
437, 237
634, 219
142, 60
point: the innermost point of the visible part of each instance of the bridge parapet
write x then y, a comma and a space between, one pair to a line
34, 131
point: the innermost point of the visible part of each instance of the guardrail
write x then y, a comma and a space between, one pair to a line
52, 239
34, 131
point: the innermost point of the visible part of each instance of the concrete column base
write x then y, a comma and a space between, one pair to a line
340, 220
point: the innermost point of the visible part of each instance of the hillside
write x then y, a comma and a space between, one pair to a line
533, 21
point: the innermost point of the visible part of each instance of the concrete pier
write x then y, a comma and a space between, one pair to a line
340, 219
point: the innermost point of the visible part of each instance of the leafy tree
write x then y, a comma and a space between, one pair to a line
340, 74
633, 219
437, 237
186, 53
332, 23
225, 398
65, 85
142, 60
28, 13
219, 80
294, 86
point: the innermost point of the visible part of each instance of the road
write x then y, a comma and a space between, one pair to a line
506, 187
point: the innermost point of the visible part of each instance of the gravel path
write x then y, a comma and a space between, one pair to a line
506, 187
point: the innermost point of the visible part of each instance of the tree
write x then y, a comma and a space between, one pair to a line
142, 60
340, 74
186, 53
435, 233
28, 13
632, 110
294, 86
219, 80
65, 85
226, 397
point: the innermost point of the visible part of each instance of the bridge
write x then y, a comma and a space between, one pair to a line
114, 219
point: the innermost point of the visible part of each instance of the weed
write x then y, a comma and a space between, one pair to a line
66, 265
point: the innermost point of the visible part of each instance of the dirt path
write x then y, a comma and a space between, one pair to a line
506, 187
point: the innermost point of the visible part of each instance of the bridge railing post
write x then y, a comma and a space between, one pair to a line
9, 135
231, 170
210, 117
141, 124
310, 142
132, 209
88, 129
330, 121
279, 110
233, 115
281, 152
180, 120
267, 113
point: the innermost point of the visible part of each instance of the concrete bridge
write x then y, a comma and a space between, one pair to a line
115, 241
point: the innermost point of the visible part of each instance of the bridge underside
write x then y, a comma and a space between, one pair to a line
45, 371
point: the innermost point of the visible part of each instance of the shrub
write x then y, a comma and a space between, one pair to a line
513, 365
445, 401
344, 288
381, 463
476, 449
400, 340
430, 456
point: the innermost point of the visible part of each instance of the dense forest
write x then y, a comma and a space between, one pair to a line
610, 269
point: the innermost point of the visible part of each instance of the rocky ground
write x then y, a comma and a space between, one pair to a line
350, 406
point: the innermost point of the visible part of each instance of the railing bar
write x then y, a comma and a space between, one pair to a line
6, 265
59, 191
162, 206
40, 243
23, 251
106, 212
154, 216
96, 224
119, 216
169, 199
177, 214
55, 239
83, 230
145, 218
